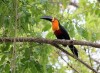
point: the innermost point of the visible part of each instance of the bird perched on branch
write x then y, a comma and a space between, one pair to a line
60, 32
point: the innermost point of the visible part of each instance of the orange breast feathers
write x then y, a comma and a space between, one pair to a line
55, 25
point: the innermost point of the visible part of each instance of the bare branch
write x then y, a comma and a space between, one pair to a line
48, 41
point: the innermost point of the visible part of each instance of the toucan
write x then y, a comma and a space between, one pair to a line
60, 32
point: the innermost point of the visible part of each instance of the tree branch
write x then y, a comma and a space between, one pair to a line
57, 46
55, 43
48, 41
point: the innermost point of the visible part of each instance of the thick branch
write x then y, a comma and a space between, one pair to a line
48, 41
52, 42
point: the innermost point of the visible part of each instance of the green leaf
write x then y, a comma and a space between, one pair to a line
83, 32
50, 69
2, 59
7, 68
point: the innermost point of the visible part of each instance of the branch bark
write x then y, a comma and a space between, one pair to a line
48, 41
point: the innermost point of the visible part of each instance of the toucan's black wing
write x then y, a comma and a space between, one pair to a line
66, 36
65, 33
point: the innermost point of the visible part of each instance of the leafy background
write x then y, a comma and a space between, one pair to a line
83, 23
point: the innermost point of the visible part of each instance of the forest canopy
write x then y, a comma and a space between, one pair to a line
21, 18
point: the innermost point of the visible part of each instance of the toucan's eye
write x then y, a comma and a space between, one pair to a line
53, 19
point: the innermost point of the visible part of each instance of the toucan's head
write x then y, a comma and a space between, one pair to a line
55, 22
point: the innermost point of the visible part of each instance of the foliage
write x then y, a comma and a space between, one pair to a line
83, 24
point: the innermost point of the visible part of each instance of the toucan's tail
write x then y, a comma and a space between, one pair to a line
74, 50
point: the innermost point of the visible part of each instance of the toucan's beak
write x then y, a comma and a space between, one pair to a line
49, 18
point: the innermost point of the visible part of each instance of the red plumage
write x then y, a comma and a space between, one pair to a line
58, 32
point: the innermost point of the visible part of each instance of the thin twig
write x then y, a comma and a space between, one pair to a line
13, 60
68, 64
90, 58
71, 66
98, 68
57, 46
95, 61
